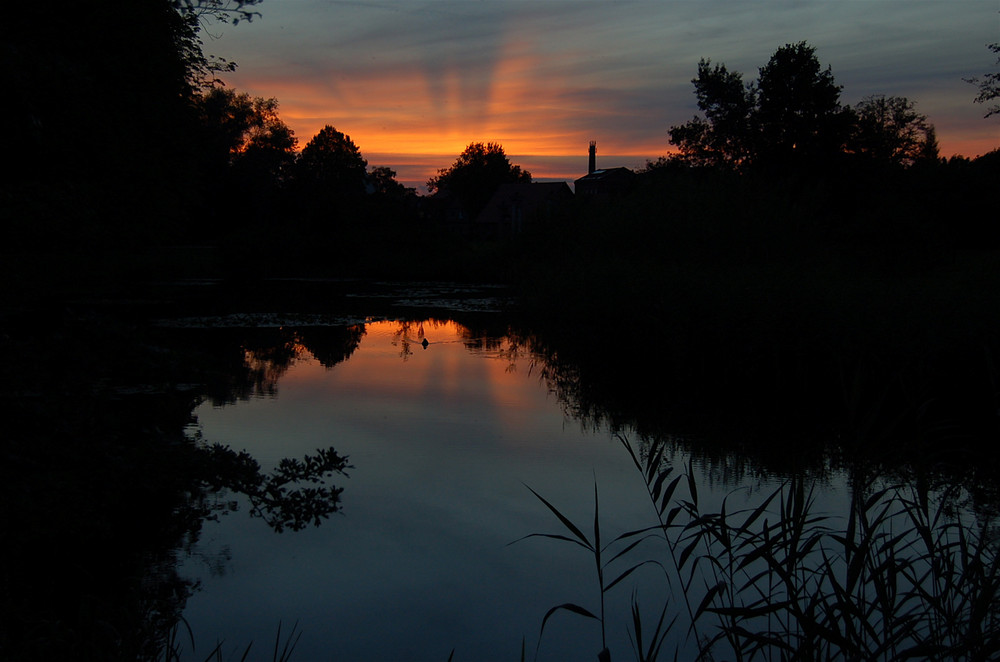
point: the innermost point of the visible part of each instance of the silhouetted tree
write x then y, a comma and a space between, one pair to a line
230, 11
724, 135
792, 114
476, 175
989, 85
382, 182
331, 166
889, 130
799, 114
246, 154
86, 88
247, 132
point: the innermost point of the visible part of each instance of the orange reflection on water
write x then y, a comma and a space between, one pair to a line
461, 376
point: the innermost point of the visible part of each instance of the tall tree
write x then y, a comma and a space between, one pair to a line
476, 175
331, 166
100, 116
789, 117
247, 133
724, 135
890, 131
382, 183
799, 114
246, 155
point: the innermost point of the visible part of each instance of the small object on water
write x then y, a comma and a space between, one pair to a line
425, 343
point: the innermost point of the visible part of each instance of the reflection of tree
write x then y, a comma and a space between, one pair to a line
277, 498
103, 493
911, 439
332, 345
406, 333
481, 339
240, 364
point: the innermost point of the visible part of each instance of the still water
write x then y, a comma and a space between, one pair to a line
445, 439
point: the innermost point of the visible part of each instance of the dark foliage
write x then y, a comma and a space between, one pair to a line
799, 114
104, 492
476, 175
725, 136
842, 308
888, 131
331, 167
792, 118
989, 86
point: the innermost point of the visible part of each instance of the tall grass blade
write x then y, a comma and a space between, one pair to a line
568, 606
667, 496
692, 485
628, 447
709, 596
659, 635
629, 572
565, 520
755, 515
553, 536
653, 461
654, 493
597, 526
216, 652
290, 643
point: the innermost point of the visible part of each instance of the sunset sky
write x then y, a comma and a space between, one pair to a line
412, 83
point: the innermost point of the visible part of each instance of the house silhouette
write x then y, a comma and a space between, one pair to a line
603, 184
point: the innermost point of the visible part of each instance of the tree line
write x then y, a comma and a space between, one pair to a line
792, 116
122, 135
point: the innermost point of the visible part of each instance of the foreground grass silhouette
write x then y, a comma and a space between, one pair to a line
908, 574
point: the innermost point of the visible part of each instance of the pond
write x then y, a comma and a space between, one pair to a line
445, 437
482, 470
445, 440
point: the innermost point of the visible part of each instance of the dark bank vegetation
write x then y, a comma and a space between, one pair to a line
780, 301
840, 290
106, 490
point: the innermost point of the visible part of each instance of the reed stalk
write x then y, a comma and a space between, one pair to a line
904, 575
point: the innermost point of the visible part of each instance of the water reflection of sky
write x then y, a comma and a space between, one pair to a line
443, 441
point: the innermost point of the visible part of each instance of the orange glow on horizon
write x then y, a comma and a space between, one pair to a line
519, 111
414, 86
410, 112
417, 121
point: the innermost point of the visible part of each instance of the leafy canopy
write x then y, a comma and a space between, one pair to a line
476, 175
791, 114
724, 135
247, 131
890, 131
792, 117
333, 164
989, 86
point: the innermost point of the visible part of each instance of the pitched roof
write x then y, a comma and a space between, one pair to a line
605, 174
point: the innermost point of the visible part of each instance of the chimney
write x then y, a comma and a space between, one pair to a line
593, 158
